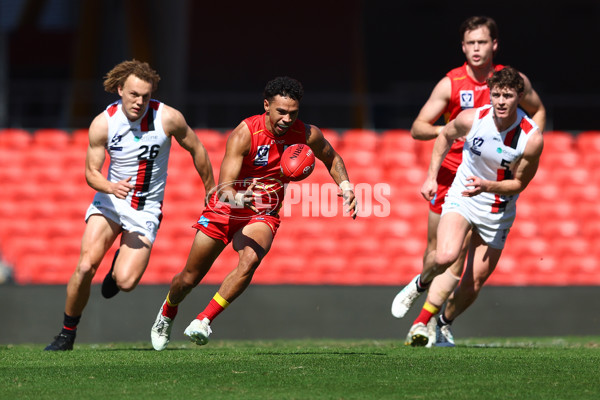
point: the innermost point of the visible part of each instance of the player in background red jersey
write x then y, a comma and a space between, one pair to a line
244, 208
462, 88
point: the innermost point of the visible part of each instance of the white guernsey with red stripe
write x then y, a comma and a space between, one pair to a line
140, 150
492, 155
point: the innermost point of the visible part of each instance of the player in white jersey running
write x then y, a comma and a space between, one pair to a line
500, 157
136, 132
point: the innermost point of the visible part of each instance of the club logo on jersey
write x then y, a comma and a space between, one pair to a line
262, 155
151, 226
114, 142
467, 99
476, 146
203, 221
434, 199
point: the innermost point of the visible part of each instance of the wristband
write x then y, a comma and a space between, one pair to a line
345, 185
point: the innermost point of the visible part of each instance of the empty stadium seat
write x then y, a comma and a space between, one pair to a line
80, 139
558, 141
588, 142
42, 268
211, 139
358, 158
392, 157
408, 246
556, 159
524, 229
51, 138
14, 138
564, 228
369, 173
360, 139
523, 247
11, 176
394, 229
424, 149
411, 177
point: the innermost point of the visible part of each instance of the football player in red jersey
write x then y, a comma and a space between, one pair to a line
462, 88
244, 209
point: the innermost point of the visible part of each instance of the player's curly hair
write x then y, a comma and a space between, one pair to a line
285, 87
478, 21
507, 77
117, 76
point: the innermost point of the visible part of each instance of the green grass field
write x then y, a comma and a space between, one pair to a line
515, 368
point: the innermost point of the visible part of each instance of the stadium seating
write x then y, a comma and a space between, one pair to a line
51, 138
15, 139
554, 240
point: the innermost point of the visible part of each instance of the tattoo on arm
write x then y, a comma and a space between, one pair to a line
341, 170
328, 151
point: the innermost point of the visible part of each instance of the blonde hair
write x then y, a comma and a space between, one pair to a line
117, 76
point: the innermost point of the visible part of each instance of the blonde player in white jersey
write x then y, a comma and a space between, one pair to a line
500, 157
136, 132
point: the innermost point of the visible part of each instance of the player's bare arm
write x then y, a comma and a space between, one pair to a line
334, 164
238, 145
174, 124
326, 153
455, 129
95, 157
422, 127
525, 170
532, 103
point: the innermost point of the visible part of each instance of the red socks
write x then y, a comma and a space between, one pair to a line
214, 308
427, 312
169, 309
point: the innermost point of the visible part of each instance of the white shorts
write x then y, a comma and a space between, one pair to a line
493, 228
145, 222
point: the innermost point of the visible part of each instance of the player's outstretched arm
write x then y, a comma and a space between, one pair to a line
334, 163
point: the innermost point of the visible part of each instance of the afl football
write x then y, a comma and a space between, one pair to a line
297, 162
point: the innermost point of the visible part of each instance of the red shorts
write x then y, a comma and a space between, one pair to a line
444, 179
222, 226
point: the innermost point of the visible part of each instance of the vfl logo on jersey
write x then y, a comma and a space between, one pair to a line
476, 146
114, 142
262, 155
466, 99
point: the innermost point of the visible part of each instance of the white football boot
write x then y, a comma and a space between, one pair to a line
161, 331
417, 336
443, 336
198, 331
405, 298
431, 331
